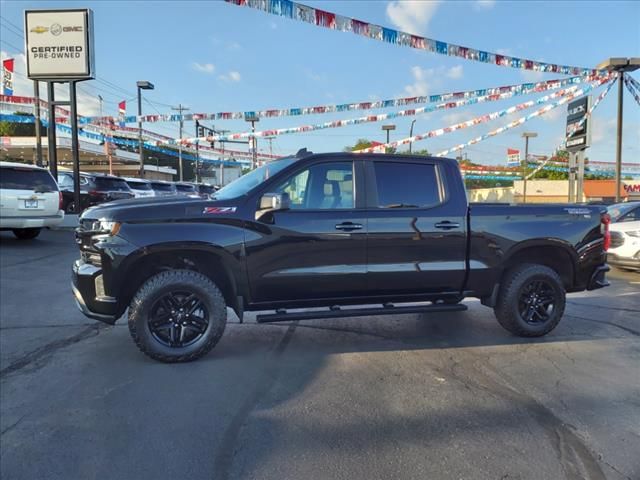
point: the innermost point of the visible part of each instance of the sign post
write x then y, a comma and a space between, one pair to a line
59, 47
578, 140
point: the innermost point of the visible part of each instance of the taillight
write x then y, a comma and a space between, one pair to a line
605, 221
60, 202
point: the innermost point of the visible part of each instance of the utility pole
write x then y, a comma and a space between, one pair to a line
270, 139
526, 136
619, 65
180, 108
254, 141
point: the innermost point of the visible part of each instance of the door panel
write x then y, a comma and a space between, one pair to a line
315, 250
416, 235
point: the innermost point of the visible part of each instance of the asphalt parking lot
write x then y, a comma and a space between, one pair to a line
451, 396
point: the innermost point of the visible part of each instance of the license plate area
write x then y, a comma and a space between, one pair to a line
31, 203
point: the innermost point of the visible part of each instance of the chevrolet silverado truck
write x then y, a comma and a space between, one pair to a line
330, 235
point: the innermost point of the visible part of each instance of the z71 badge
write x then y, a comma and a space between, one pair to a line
216, 210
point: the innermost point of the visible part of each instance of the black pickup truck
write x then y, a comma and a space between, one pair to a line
313, 236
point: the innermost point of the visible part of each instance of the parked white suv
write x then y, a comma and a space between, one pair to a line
140, 187
624, 251
29, 200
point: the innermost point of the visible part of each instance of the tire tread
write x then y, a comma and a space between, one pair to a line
161, 280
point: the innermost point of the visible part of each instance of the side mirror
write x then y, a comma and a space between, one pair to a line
272, 202
275, 201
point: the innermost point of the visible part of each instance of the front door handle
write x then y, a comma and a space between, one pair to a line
348, 226
447, 225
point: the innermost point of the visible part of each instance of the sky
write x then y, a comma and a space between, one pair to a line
212, 56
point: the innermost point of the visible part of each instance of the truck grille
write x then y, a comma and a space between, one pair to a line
617, 239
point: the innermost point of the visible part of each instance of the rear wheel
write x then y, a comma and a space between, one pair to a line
177, 316
531, 301
26, 233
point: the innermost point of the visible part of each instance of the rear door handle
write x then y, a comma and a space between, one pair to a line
447, 225
348, 226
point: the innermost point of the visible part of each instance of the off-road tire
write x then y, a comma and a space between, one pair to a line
152, 290
26, 233
507, 309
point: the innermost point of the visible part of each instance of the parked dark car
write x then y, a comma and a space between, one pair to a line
187, 190
331, 230
163, 189
204, 191
95, 188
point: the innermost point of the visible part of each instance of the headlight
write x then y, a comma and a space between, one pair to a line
633, 233
100, 227
112, 228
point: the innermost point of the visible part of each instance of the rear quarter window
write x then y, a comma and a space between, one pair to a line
16, 178
106, 183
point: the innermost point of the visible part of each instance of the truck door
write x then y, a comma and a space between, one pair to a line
317, 248
416, 229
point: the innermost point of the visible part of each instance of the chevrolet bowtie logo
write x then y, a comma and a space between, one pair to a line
39, 29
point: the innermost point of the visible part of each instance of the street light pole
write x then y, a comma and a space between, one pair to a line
180, 108
526, 136
619, 65
411, 134
254, 141
142, 85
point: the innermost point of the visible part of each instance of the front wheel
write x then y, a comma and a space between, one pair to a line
531, 301
26, 233
177, 316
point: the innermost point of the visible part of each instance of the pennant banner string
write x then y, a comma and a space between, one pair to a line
519, 121
629, 83
478, 120
576, 127
318, 109
333, 21
365, 119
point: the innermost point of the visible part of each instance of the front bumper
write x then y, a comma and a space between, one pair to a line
86, 281
624, 262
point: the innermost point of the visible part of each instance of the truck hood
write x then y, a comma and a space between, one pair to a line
160, 208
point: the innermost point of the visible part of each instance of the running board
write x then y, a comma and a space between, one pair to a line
337, 312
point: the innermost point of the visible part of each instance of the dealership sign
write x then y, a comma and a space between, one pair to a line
59, 44
576, 113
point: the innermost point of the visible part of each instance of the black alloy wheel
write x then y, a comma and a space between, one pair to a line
537, 301
178, 319
531, 300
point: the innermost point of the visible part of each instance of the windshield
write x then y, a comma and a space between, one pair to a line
163, 187
139, 185
252, 179
206, 189
619, 209
185, 188
108, 183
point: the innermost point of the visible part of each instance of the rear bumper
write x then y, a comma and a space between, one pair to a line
31, 221
84, 278
625, 262
598, 278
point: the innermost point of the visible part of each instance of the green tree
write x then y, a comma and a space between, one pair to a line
16, 129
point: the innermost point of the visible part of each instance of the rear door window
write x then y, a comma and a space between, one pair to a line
407, 185
16, 178
139, 185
